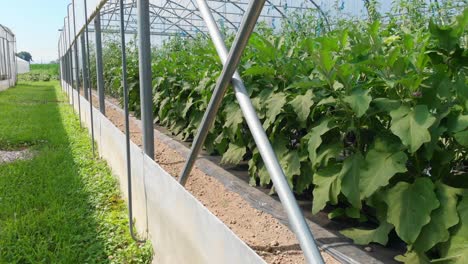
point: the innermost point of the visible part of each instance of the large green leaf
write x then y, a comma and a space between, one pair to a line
412, 257
411, 125
350, 178
274, 106
410, 206
442, 219
327, 187
456, 249
315, 139
326, 60
302, 104
458, 126
359, 101
448, 37
233, 117
291, 165
264, 175
259, 70
233, 154
366, 236
462, 138
383, 161
386, 104
326, 153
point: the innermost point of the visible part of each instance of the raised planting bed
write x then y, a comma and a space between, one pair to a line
257, 218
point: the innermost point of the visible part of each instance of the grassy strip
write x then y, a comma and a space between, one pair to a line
40, 72
62, 206
51, 68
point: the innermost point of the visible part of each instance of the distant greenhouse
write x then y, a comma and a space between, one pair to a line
22, 66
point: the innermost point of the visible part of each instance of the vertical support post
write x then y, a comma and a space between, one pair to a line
84, 70
9, 63
99, 64
127, 121
59, 53
69, 50
65, 53
4, 66
146, 93
65, 62
16, 61
62, 60
77, 79
88, 75
77, 66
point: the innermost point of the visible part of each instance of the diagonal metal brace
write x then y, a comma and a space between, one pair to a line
297, 220
232, 61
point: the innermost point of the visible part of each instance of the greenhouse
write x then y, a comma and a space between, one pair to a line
244, 131
7, 58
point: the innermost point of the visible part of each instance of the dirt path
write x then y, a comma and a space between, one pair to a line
266, 235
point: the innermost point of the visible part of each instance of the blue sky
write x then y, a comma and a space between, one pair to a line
35, 24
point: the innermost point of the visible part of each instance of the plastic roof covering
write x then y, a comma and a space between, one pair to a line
7, 54
180, 17
6, 33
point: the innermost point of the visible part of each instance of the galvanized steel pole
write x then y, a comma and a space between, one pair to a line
67, 54
297, 220
99, 64
76, 64
127, 122
64, 54
68, 48
59, 50
248, 23
88, 80
84, 70
146, 93
10, 75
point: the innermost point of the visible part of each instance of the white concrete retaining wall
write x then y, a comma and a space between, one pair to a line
5, 84
181, 229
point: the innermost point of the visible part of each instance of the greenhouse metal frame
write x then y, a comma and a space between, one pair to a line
147, 18
153, 19
8, 68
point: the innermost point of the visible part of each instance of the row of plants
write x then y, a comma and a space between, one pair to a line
369, 118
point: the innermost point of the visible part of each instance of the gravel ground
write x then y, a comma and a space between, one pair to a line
10, 156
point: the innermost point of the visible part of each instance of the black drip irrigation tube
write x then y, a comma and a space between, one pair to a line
127, 122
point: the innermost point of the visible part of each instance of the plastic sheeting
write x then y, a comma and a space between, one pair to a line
22, 66
8, 71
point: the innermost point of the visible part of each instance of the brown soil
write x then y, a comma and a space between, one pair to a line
272, 240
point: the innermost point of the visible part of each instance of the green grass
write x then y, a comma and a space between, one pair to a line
62, 206
41, 72
51, 68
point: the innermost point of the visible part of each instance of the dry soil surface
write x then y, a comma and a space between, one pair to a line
266, 235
